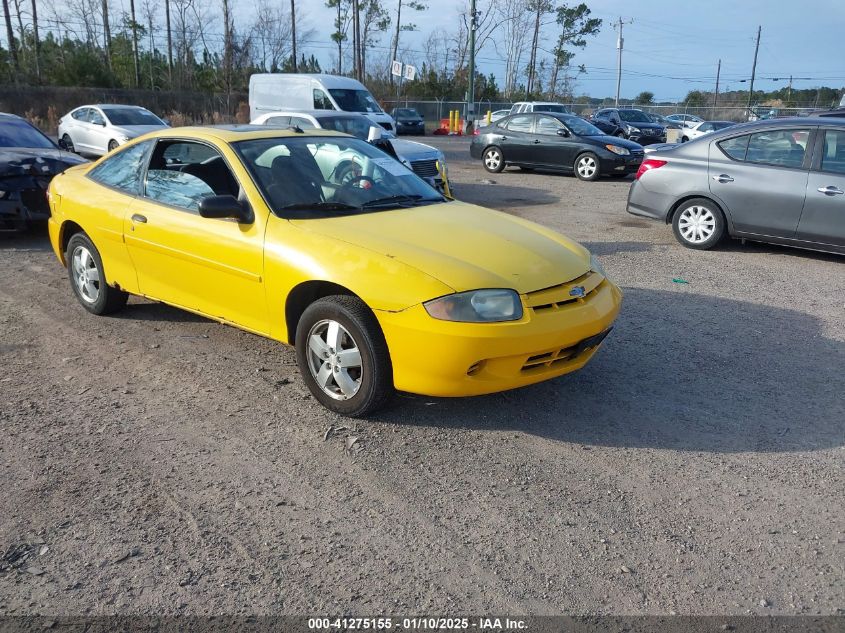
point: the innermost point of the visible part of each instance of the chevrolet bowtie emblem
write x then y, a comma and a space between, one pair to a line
578, 291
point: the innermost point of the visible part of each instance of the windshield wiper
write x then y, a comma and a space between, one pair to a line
403, 200
319, 206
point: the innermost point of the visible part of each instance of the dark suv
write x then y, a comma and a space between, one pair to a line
635, 124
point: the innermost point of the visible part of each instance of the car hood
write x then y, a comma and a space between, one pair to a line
615, 140
23, 161
134, 131
463, 246
413, 150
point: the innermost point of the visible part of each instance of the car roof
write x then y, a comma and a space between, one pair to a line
334, 114
237, 132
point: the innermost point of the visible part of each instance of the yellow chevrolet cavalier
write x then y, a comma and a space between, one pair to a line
323, 241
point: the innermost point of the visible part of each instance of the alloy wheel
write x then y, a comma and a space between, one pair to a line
334, 359
696, 224
86, 276
492, 159
587, 166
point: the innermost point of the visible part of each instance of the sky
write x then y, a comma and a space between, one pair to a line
671, 46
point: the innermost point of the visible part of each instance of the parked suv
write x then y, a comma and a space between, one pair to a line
636, 125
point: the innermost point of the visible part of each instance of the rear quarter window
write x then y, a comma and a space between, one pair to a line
735, 147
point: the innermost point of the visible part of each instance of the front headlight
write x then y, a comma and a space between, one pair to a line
633, 130
596, 267
618, 150
477, 306
122, 138
2, 194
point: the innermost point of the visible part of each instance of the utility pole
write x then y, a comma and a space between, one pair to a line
716, 93
620, 42
134, 43
473, 24
754, 69
293, 31
169, 45
789, 92
38, 42
356, 45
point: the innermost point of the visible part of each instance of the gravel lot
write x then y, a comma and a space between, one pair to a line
158, 463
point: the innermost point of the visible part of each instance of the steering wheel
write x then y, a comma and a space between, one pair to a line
359, 181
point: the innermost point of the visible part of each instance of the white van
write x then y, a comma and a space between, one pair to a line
271, 92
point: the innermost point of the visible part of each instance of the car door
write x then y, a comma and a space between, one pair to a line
551, 148
99, 134
210, 266
761, 179
823, 218
82, 130
517, 141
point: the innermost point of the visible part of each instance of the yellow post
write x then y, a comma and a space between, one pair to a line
452, 124
489, 117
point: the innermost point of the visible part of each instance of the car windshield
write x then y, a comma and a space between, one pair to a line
406, 112
18, 133
131, 116
330, 176
550, 107
357, 126
634, 116
581, 127
655, 118
355, 100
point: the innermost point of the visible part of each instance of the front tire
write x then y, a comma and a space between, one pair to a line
698, 224
88, 279
493, 159
67, 143
587, 166
113, 145
343, 357
684, 139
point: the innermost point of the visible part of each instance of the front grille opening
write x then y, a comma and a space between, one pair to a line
549, 360
425, 168
386, 126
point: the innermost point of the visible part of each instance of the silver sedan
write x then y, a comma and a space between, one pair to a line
97, 129
780, 181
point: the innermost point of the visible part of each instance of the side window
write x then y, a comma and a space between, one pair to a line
278, 120
520, 123
81, 114
548, 125
182, 173
321, 100
95, 117
123, 170
705, 127
833, 158
735, 147
785, 148
302, 123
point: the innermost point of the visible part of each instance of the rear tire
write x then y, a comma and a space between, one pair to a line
343, 357
699, 224
587, 166
88, 279
493, 159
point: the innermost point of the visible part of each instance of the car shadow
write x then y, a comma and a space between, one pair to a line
681, 371
501, 196
611, 248
33, 239
140, 309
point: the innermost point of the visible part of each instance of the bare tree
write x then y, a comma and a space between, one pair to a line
293, 32
341, 26
37, 41
271, 33
515, 21
228, 45
10, 35
375, 20
169, 43
539, 9
106, 34
134, 42
148, 11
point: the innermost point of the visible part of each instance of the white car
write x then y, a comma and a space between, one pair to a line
705, 127
687, 120
498, 114
539, 106
98, 129
422, 159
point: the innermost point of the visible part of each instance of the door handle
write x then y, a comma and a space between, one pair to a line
504, 138
536, 141
136, 217
830, 190
723, 178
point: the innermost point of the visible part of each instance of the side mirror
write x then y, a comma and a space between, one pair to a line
374, 134
562, 131
226, 206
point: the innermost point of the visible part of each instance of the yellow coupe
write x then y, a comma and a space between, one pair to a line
322, 241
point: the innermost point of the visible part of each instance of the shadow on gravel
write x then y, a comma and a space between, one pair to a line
683, 372
33, 239
150, 311
501, 196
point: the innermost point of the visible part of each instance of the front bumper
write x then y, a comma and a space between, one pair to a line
647, 138
442, 358
410, 128
614, 164
19, 208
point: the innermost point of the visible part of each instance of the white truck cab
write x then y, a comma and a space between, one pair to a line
272, 92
